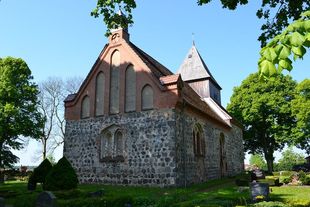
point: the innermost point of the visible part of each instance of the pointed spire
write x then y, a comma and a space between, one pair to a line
193, 38
194, 68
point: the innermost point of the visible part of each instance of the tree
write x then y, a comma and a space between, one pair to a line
289, 159
19, 115
264, 108
53, 92
277, 13
301, 110
292, 41
257, 160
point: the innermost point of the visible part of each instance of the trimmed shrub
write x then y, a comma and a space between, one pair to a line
61, 177
32, 184
41, 171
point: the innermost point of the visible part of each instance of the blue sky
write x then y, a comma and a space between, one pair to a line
60, 38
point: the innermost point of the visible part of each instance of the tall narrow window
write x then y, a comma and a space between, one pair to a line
99, 94
147, 97
198, 141
114, 83
85, 111
130, 90
223, 163
106, 145
118, 140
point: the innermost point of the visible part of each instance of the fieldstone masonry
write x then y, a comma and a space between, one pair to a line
155, 153
149, 150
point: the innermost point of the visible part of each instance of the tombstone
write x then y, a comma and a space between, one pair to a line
2, 202
46, 199
257, 174
259, 191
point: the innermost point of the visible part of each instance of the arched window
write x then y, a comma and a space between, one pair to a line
112, 144
223, 163
106, 145
147, 97
85, 109
118, 143
130, 89
114, 82
100, 94
198, 141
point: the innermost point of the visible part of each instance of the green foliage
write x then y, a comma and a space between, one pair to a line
293, 41
270, 204
284, 11
286, 180
264, 109
258, 161
110, 12
301, 110
271, 181
42, 171
289, 159
223, 194
61, 177
19, 115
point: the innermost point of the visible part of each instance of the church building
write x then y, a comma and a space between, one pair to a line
134, 122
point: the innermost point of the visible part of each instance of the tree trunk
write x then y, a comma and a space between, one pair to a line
44, 148
269, 159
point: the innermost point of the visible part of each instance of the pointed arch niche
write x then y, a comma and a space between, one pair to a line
114, 82
85, 107
100, 81
223, 162
198, 141
147, 97
130, 89
112, 144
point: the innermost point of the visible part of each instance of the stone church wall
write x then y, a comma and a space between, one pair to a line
149, 157
194, 169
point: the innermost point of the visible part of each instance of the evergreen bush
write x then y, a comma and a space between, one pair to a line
41, 171
32, 184
61, 177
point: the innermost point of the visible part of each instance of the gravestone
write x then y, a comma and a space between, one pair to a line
259, 191
46, 199
257, 174
2, 202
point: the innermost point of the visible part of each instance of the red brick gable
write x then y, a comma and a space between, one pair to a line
169, 89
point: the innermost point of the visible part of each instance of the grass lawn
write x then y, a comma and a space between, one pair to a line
213, 193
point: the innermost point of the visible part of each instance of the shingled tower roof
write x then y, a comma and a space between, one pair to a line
194, 68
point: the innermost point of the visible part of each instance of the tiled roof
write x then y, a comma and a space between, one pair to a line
70, 97
169, 79
194, 68
157, 68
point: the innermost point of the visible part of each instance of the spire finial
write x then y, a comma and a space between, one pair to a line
193, 38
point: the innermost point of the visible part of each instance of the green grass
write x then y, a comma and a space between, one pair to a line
211, 194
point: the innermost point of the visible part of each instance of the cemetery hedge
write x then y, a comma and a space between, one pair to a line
213, 193
61, 177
